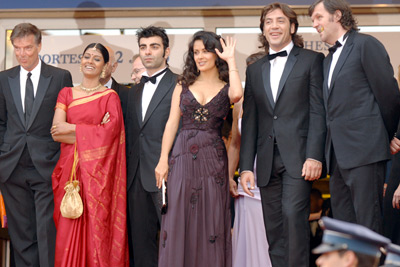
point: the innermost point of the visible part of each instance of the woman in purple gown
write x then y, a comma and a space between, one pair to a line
195, 231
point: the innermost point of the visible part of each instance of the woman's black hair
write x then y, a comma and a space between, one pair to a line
102, 50
210, 41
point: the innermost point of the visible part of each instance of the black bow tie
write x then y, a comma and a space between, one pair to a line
279, 54
338, 44
152, 79
333, 48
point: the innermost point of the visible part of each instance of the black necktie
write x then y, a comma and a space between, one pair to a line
28, 98
279, 54
152, 79
333, 48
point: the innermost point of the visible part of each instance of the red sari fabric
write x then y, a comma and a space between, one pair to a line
99, 236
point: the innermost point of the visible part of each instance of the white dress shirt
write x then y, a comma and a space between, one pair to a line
148, 91
335, 58
109, 84
23, 75
277, 67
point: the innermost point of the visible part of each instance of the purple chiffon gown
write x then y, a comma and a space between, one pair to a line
249, 240
195, 231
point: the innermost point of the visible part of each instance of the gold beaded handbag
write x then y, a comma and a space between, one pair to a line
71, 205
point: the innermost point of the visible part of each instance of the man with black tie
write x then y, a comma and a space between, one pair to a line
148, 110
284, 125
362, 103
28, 154
108, 81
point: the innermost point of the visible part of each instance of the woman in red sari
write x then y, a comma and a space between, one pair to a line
89, 124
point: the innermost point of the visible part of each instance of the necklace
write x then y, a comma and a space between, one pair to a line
89, 90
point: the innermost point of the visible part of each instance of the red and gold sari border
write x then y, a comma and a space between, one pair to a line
97, 153
90, 98
61, 106
122, 138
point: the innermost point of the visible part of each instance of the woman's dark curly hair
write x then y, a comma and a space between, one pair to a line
190, 71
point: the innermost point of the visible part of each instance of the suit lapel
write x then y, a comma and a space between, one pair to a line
114, 85
44, 82
327, 65
291, 61
348, 46
266, 70
138, 102
15, 88
162, 88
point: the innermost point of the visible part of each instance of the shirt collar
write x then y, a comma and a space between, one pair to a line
108, 84
146, 74
288, 49
35, 72
340, 40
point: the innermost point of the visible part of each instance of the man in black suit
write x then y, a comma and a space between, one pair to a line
362, 103
28, 154
108, 81
148, 110
137, 69
284, 125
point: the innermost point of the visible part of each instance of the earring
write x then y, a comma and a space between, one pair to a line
80, 68
103, 73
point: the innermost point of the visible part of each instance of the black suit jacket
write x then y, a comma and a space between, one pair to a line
296, 121
362, 103
122, 92
14, 135
144, 137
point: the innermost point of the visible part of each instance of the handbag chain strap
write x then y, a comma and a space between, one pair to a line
76, 159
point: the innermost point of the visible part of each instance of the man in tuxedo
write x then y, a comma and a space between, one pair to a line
28, 154
108, 81
362, 105
137, 69
148, 110
284, 125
